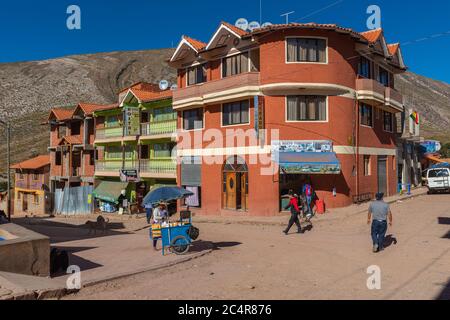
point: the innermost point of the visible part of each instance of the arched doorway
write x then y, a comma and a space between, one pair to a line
235, 184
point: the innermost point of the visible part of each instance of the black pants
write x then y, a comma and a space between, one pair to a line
294, 220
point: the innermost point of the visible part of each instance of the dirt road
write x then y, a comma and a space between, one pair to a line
328, 262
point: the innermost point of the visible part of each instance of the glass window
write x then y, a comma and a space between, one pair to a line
112, 121
164, 114
235, 113
235, 65
366, 114
364, 68
388, 121
130, 152
306, 108
196, 75
162, 150
58, 156
193, 119
113, 152
75, 128
367, 166
440, 173
306, 50
383, 77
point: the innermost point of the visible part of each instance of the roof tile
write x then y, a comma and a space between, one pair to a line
33, 164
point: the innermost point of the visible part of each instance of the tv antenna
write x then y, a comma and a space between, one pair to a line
287, 16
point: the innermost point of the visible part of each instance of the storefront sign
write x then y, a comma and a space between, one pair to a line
132, 121
129, 176
430, 146
284, 146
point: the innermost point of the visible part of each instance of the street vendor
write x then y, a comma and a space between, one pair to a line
159, 216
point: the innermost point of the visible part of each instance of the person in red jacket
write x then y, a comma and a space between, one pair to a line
295, 211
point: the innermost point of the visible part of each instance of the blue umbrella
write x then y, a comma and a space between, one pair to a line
166, 194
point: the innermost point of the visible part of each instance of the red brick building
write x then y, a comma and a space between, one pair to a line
321, 94
72, 153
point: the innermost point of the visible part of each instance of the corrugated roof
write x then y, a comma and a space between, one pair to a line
33, 164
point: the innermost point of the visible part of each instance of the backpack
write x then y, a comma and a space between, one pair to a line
308, 190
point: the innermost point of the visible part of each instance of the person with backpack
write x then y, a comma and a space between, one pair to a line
295, 211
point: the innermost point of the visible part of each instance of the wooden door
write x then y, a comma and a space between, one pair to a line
231, 191
24, 202
244, 192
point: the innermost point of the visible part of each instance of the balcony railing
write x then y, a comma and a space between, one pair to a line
394, 95
158, 127
370, 89
33, 185
232, 82
158, 166
106, 133
108, 165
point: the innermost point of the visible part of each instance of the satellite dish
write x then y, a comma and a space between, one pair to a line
163, 85
242, 23
254, 25
266, 24
174, 87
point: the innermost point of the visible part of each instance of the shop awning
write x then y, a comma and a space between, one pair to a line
309, 163
110, 191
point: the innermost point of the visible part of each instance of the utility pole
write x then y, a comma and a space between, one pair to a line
8, 163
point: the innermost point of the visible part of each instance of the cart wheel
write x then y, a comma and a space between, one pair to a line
179, 245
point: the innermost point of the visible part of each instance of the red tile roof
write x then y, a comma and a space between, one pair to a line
72, 140
198, 45
372, 35
61, 114
33, 164
142, 86
89, 108
235, 29
393, 48
147, 96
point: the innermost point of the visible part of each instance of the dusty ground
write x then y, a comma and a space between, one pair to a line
328, 262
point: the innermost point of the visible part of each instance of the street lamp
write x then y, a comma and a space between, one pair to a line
8, 163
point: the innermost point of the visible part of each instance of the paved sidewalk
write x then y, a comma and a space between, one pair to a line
330, 215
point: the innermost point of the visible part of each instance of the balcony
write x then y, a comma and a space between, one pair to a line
158, 168
241, 85
108, 134
158, 129
108, 167
373, 93
29, 185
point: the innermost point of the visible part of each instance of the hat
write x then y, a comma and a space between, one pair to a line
379, 196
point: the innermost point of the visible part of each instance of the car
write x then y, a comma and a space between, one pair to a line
438, 180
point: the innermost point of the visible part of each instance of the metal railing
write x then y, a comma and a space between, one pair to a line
158, 127
158, 166
108, 165
112, 132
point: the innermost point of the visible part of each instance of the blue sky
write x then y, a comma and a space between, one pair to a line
36, 30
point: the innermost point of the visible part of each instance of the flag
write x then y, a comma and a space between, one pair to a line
415, 117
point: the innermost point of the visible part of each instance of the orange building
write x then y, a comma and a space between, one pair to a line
307, 101
31, 189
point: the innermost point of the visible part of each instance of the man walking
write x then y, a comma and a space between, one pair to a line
379, 213
295, 211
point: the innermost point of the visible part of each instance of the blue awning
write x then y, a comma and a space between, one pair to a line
309, 163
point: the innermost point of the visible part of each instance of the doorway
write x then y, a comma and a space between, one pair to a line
382, 174
235, 184
24, 202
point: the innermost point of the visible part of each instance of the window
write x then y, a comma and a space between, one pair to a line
130, 152
367, 165
112, 121
364, 68
306, 50
145, 117
193, 119
366, 115
306, 108
438, 173
113, 152
388, 120
36, 176
91, 157
164, 114
235, 65
194, 201
383, 77
75, 128
145, 152
254, 60
235, 113
196, 75
61, 131
58, 156
162, 150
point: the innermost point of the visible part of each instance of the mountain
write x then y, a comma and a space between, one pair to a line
30, 89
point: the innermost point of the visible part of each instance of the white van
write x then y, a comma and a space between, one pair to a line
438, 180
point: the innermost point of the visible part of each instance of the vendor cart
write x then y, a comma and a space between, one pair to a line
174, 236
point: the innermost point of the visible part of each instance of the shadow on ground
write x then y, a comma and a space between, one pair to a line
445, 294
201, 245
75, 260
63, 232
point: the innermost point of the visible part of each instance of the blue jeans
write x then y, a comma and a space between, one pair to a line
148, 214
379, 229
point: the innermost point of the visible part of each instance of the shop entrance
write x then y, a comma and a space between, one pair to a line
288, 182
235, 184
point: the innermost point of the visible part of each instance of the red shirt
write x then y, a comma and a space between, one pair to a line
294, 203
